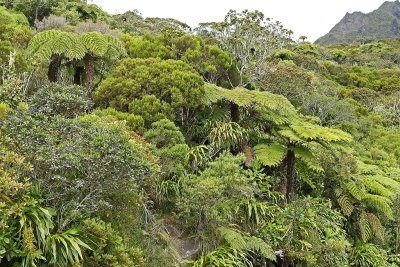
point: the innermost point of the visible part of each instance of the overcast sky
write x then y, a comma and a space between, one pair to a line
312, 18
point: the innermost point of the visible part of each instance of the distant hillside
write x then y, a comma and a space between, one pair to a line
381, 23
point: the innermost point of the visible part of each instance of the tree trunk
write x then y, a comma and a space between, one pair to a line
235, 113
89, 62
282, 173
54, 67
78, 75
283, 186
290, 174
283, 261
235, 117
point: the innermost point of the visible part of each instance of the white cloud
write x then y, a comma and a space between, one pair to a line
312, 18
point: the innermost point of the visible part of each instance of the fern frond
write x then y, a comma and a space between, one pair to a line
222, 257
274, 107
355, 190
95, 43
241, 241
38, 46
116, 45
365, 228
391, 184
376, 226
344, 202
270, 155
291, 135
375, 187
379, 203
368, 169
311, 132
69, 45
45, 44
306, 156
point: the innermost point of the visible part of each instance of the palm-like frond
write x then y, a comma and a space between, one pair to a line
364, 226
380, 204
306, 156
344, 202
274, 107
73, 46
270, 155
244, 242
54, 42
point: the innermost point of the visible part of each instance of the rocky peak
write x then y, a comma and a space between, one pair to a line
379, 24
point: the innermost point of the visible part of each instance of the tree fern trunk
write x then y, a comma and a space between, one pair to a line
235, 117
283, 183
235, 113
54, 67
89, 62
283, 186
283, 261
78, 75
290, 174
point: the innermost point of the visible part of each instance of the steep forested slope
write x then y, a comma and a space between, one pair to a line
131, 141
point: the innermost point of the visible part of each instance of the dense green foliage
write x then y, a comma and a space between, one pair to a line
131, 141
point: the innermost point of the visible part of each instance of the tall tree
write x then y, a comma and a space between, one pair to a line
250, 37
290, 135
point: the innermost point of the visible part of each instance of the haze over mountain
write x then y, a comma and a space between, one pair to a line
381, 23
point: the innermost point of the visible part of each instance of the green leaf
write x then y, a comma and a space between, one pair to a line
270, 155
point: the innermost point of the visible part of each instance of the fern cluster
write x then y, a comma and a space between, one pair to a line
72, 46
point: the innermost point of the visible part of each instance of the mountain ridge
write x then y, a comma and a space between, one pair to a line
381, 23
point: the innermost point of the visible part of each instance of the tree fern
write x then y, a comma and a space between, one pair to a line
375, 187
67, 45
243, 242
45, 44
389, 183
306, 156
380, 204
270, 155
223, 257
310, 132
101, 44
344, 202
264, 102
355, 190
364, 226
376, 226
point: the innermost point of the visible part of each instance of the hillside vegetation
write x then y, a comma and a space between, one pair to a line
131, 141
